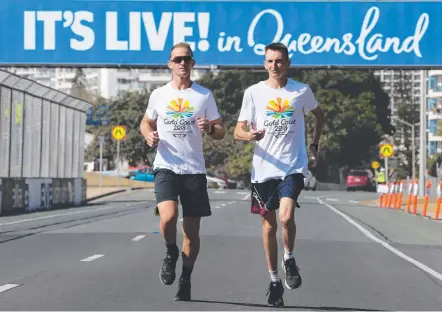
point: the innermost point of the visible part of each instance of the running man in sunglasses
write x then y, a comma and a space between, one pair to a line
177, 116
274, 112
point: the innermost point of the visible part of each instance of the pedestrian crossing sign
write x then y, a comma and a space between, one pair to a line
387, 150
119, 133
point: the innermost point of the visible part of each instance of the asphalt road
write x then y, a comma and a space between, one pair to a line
107, 256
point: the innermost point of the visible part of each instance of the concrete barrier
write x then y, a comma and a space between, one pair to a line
15, 196
20, 195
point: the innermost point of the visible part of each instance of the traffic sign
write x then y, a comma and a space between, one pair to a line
386, 150
375, 164
98, 116
119, 133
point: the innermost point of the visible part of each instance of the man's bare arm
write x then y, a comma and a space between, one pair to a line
147, 129
242, 135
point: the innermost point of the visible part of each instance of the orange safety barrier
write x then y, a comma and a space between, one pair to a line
395, 194
426, 198
391, 195
400, 196
383, 191
415, 192
410, 195
381, 200
439, 200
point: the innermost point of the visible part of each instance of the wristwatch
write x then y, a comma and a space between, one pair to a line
212, 129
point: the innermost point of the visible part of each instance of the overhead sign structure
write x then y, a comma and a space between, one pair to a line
141, 33
119, 133
386, 150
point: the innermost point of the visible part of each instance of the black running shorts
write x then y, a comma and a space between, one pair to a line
266, 195
191, 189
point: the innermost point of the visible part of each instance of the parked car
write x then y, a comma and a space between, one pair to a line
310, 182
360, 179
145, 175
214, 182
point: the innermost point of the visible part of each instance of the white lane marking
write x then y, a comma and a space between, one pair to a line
230, 203
242, 193
92, 258
309, 197
331, 199
220, 192
6, 287
246, 197
353, 201
137, 238
385, 244
59, 215
223, 205
217, 207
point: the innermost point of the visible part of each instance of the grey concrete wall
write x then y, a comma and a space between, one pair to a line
19, 195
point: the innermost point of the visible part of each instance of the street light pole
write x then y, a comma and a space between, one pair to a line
413, 143
413, 154
423, 132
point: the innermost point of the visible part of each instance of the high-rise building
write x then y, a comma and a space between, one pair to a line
389, 78
434, 112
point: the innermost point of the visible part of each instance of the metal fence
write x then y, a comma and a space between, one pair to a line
42, 130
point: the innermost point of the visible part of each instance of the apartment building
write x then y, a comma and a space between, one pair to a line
388, 79
434, 111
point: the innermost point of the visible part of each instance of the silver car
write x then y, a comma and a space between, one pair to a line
310, 182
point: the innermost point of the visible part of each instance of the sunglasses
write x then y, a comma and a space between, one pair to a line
179, 59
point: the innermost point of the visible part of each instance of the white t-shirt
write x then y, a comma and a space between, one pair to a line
282, 151
181, 146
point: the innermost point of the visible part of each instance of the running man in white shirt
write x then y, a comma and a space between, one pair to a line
274, 111
177, 115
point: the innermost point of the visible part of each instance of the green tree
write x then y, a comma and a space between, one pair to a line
126, 110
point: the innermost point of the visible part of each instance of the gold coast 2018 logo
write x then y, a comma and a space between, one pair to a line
181, 112
279, 108
180, 108
281, 112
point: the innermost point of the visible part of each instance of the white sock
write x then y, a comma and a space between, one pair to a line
274, 276
288, 255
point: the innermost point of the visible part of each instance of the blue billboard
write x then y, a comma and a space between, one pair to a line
225, 33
